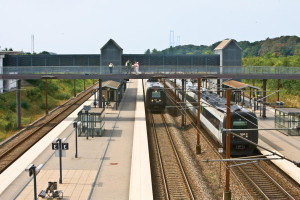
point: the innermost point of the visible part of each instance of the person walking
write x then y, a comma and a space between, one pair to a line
110, 67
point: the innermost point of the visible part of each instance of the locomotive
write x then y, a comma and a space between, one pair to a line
155, 95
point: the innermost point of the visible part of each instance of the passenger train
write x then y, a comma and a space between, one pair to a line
155, 95
213, 117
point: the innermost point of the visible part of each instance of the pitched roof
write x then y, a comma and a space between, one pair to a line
111, 41
224, 44
238, 85
111, 84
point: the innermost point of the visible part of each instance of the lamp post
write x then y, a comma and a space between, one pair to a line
75, 125
33, 170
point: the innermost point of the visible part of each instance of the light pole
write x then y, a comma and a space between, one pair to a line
75, 125
33, 170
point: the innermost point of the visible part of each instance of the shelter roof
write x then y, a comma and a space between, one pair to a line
289, 111
111, 41
224, 44
111, 84
238, 85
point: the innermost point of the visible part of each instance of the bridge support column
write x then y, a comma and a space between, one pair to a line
264, 98
100, 94
182, 104
74, 87
19, 119
46, 95
198, 146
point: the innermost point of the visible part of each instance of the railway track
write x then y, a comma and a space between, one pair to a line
175, 183
258, 183
15, 148
254, 178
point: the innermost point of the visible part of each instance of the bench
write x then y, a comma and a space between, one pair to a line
51, 191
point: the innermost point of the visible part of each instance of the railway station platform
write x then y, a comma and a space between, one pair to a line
113, 166
288, 146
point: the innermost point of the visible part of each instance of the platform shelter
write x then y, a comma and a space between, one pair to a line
91, 122
287, 118
239, 89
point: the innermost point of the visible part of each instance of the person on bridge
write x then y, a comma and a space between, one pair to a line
136, 66
128, 66
110, 67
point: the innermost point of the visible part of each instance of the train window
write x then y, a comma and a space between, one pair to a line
239, 124
211, 118
155, 94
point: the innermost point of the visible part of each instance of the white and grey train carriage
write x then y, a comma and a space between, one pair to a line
213, 117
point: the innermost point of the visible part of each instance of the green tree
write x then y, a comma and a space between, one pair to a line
154, 51
147, 51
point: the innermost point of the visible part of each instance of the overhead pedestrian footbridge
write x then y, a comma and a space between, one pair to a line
167, 71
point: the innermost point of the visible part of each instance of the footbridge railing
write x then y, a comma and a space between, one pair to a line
149, 70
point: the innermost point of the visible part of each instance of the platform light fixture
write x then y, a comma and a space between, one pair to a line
33, 170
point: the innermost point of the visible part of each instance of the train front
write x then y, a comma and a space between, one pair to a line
156, 99
242, 120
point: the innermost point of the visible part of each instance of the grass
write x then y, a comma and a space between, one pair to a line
33, 102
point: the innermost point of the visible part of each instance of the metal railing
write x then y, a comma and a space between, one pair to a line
164, 69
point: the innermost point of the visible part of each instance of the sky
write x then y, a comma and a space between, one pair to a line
83, 27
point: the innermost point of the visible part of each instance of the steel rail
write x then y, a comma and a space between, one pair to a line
65, 107
266, 175
160, 160
178, 159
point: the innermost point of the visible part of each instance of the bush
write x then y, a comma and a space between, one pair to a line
63, 96
2, 98
33, 93
12, 106
25, 104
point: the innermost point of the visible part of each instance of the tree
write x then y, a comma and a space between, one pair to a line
147, 51
154, 51
45, 53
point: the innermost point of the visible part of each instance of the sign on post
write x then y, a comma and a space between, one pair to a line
65, 146
55, 146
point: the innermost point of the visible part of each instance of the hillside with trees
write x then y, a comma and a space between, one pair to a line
280, 46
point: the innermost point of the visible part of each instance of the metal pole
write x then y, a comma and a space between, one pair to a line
74, 87
100, 94
34, 183
84, 84
19, 104
60, 165
278, 82
76, 149
227, 192
264, 98
175, 88
46, 93
182, 105
198, 146
87, 125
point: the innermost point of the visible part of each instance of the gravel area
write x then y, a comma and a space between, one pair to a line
212, 172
